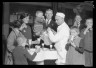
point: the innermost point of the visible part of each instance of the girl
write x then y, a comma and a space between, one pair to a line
73, 56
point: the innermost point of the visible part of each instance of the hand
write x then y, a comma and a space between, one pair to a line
37, 49
48, 29
36, 42
72, 43
72, 37
89, 26
86, 30
30, 41
53, 31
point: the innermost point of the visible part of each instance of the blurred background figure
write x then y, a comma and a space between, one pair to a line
77, 21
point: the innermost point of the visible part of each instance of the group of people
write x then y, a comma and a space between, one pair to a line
74, 47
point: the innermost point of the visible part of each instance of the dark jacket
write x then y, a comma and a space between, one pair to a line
20, 56
27, 33
87, 41
53, 25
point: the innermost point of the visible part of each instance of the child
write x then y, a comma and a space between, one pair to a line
39, 22
73, 56
20, 54
39, 17
87, 35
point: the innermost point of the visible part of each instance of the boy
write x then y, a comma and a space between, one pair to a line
20, 54
39, 22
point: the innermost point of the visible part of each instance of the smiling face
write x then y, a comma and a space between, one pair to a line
74, 32
49, 14
22, 27
89, 23
39, 14
26, 19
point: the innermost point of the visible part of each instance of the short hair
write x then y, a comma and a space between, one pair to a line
49, 10
20, 40
89, 19
60, 14
16, 23
75, 28
39, 12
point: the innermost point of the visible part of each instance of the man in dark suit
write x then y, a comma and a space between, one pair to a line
20, 53
49, 21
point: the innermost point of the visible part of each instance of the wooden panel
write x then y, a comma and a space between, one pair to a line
71, 5
65, 5
36, 3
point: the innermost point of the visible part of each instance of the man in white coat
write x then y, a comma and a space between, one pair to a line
60, 38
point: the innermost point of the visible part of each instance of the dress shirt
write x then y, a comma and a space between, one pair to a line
48, 21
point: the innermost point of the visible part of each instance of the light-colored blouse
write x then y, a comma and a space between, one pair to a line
12, 38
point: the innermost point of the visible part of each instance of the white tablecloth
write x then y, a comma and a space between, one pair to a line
44, 55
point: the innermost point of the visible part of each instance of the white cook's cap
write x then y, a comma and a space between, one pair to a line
60, 14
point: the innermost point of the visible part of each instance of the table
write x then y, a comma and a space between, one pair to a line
44, 54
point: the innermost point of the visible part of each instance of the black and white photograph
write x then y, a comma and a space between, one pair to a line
47, 33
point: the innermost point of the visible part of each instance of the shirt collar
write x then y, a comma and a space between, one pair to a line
60, 26
47, 20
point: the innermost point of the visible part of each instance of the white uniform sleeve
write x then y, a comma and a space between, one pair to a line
59, 35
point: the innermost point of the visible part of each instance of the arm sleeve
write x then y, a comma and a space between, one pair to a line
35, 42
82, 33
30, 57
80, 49
58, 36
10, 41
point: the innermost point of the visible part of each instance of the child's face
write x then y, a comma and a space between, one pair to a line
73, 32
89, 23
21, 41
24, 42
39, 14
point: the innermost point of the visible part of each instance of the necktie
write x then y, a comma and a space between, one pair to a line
47, 22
